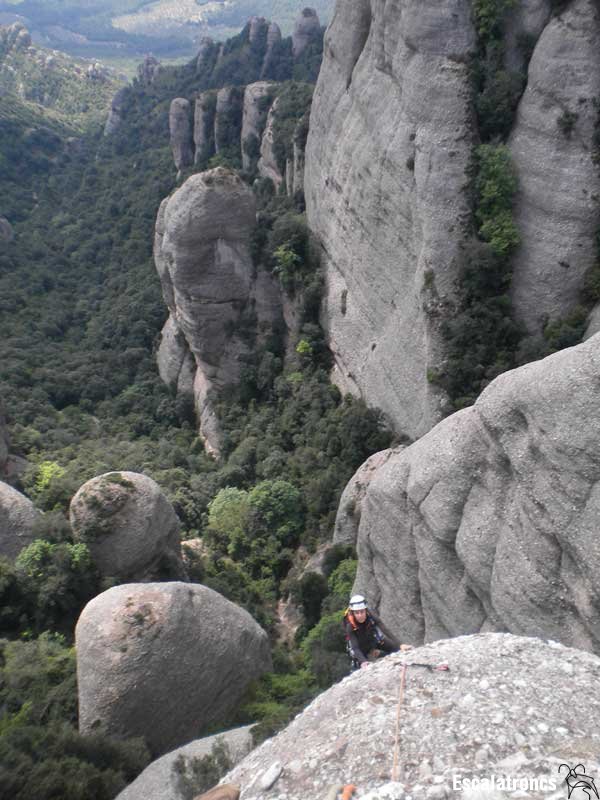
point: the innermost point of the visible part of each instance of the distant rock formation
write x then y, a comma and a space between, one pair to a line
14, 37
148, 70
387, 160
552, 145
206, 48
508, 706
257, 100
129, 526
490, 521
204, 126
267, 163
307, 27
181, 132
228, 118
117, 107
273, 42
17, 519
164, 661
202, 254
162, 778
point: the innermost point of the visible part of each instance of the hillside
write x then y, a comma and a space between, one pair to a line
129, 29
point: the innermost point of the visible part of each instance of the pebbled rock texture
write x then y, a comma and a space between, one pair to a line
129, 526
159, 781
489, 522
387, 156
181, 132
202, 254
557, 204
164, 661
507, 706
17, 519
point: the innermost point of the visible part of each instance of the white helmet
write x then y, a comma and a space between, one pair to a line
357, 602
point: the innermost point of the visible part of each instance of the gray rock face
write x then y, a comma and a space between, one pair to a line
159, 781
306, 28
204, 126
129, 526
525, 20
206, 47
115, 116
153, 660
180, 128
386, 170
17, 518
6, 230
148, 70
202, 254
273, 40
507, 706
176, 365
489, 522
556, 209
228, 118
258, 28
267, 164
256, 107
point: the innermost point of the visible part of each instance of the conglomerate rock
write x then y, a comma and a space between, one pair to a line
507, 706
181, 131
490, 521
212, 289
129, 526
163, 661
17, 519
388, 153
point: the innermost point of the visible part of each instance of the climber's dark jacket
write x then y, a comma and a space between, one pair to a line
370, 635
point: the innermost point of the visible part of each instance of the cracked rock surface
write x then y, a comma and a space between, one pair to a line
508, 706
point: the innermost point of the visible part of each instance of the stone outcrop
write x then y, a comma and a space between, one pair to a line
202, 254
117, 109
129, 526
204, 126
273, 42
552, 146
7, 233
258, 29
204, 51
160, 781
17, 520
267, 164
524, 21
307, 28
148, 70
154, 660
257, 98
387, 161
181, 132
507, 706
14, 37
228, 118
489, 522
176, 365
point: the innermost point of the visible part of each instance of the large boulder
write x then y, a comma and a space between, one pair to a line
554, 150
129, 526
17, 520
507, 707
202, 254
490, 521
164, 661
389, 150
162, 779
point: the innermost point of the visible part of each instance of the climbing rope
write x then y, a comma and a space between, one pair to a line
399, 706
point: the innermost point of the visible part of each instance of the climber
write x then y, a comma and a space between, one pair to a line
366, 637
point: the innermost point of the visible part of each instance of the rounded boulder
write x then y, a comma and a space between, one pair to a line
163, 661
17, 520
129, 526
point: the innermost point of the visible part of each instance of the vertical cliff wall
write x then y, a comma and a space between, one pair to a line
389, 146
389, 167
